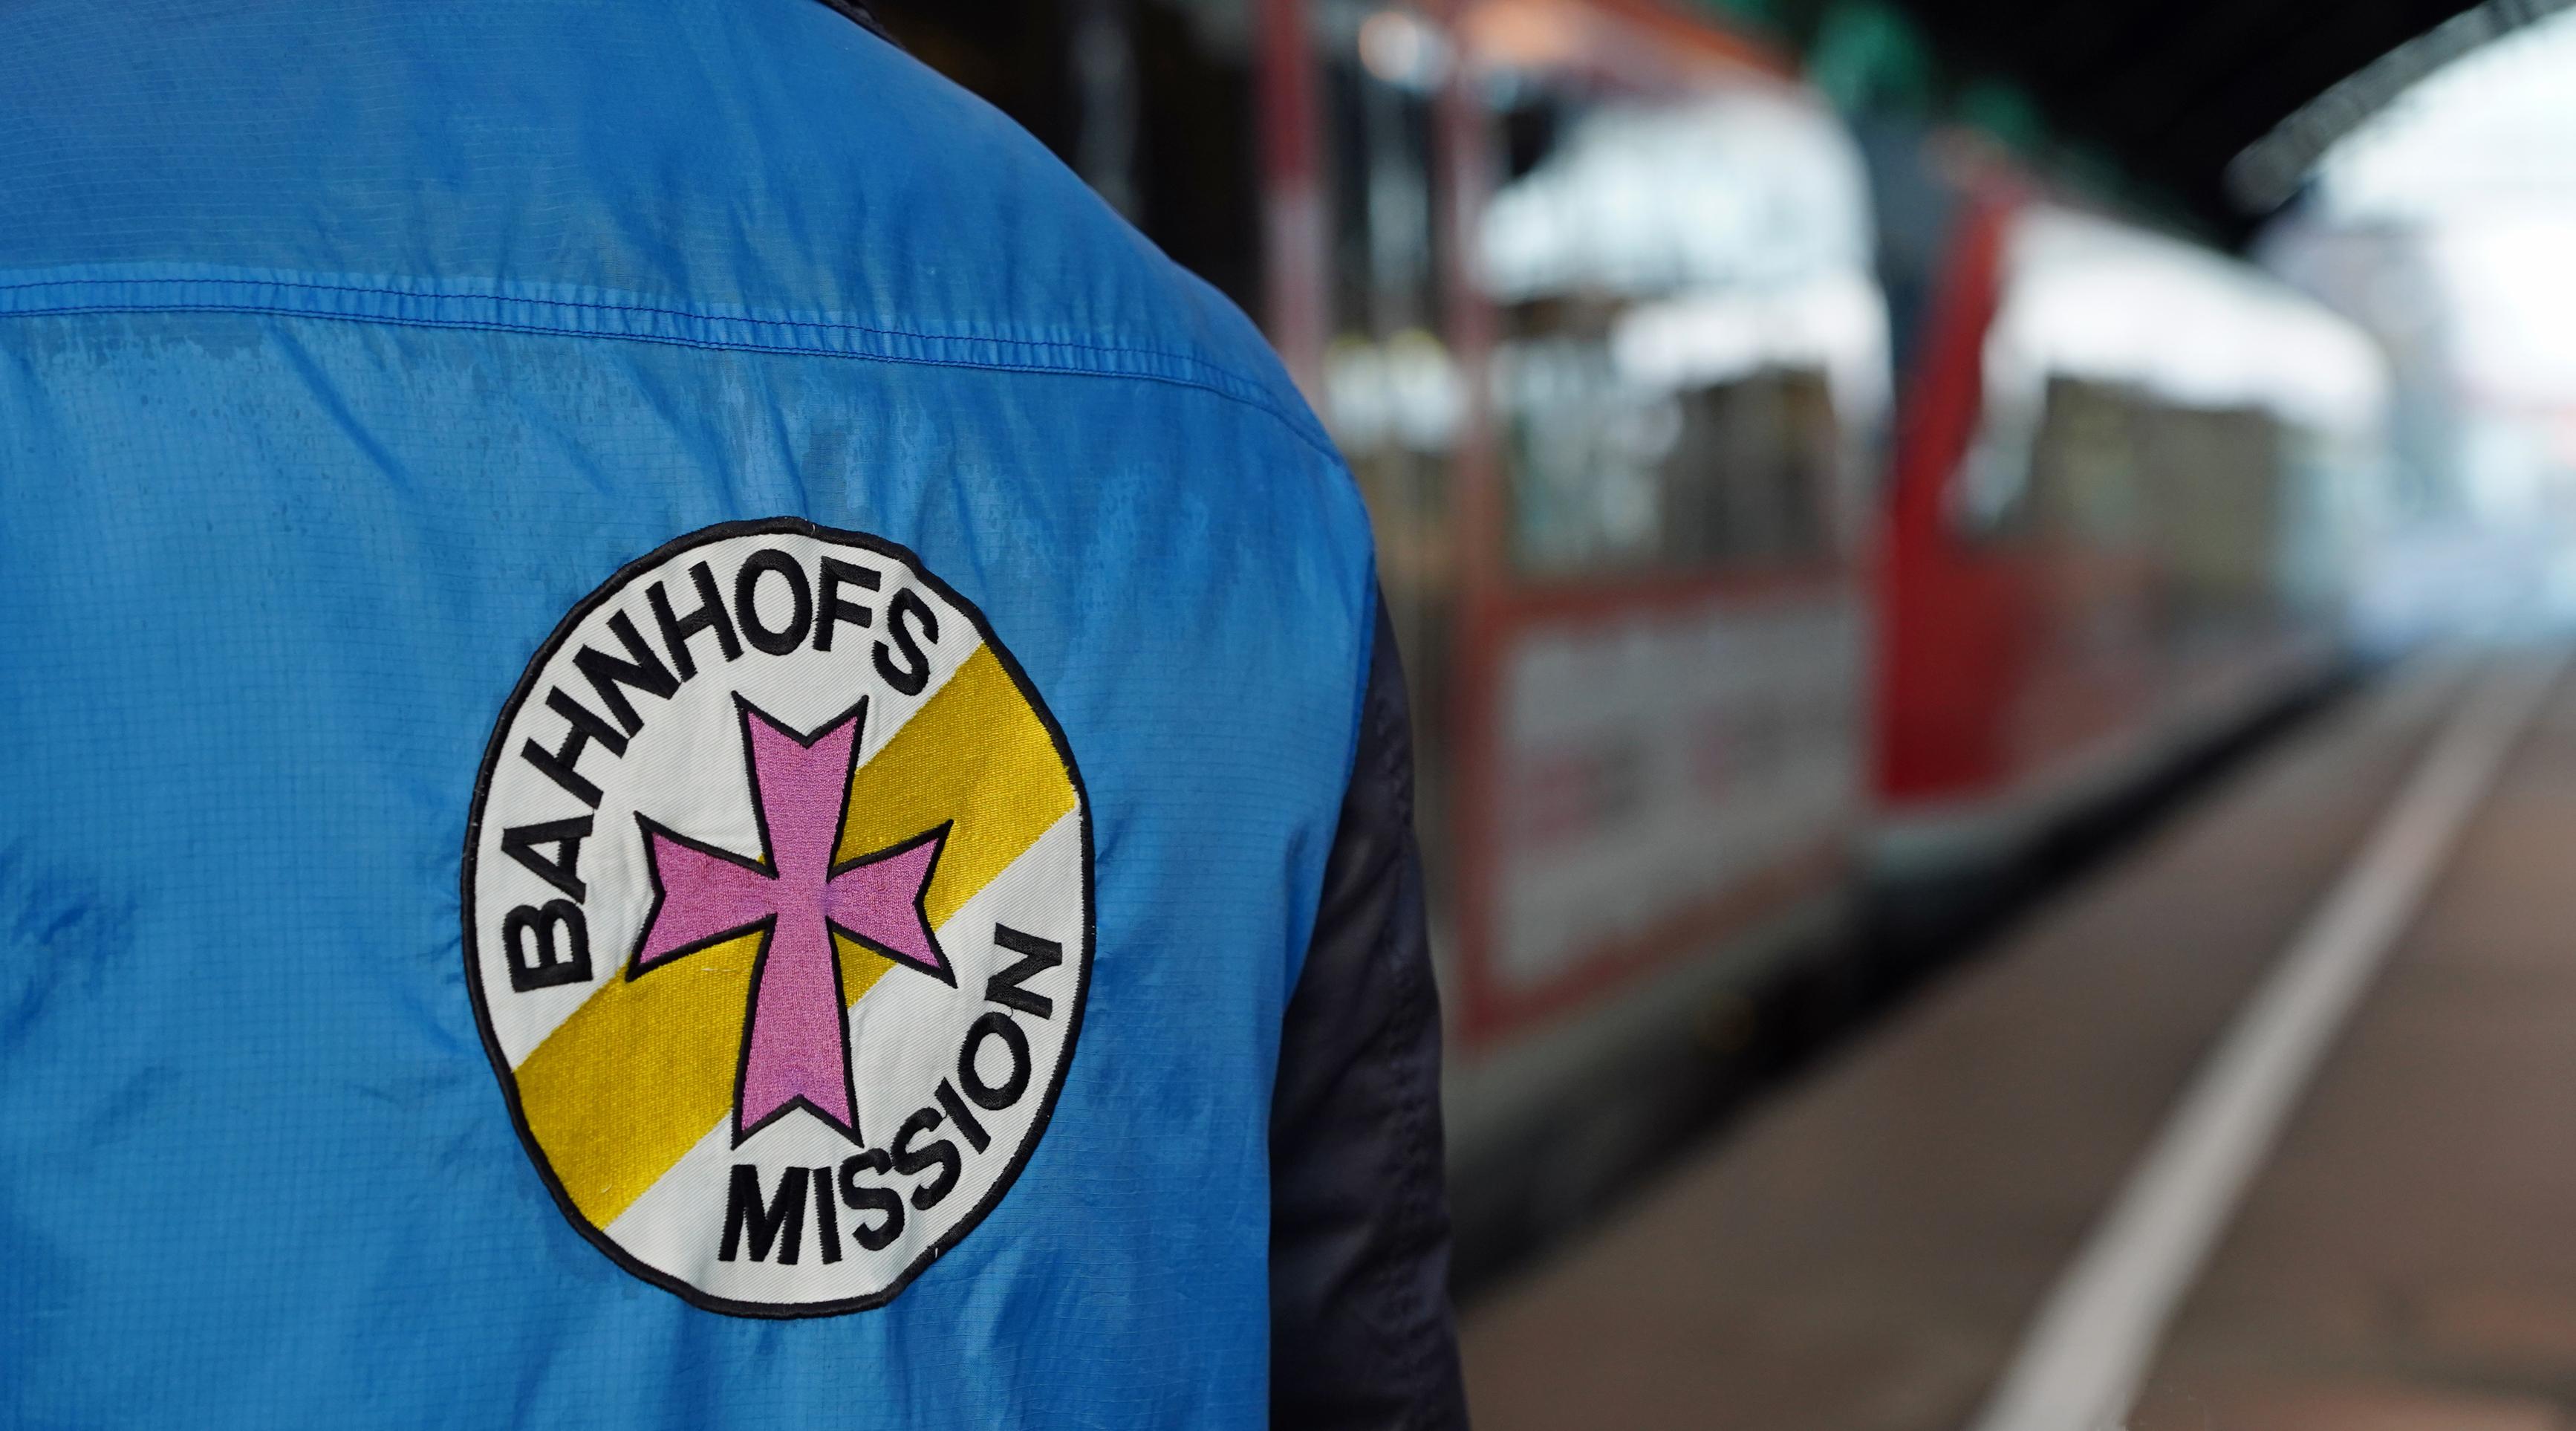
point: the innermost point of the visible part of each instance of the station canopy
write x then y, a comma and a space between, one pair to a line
2223, 105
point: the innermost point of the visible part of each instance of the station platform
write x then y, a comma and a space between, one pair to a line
2089, 1169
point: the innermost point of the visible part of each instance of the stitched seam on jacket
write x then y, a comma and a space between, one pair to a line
714, 330
468, 294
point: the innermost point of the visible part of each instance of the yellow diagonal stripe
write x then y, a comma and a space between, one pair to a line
985, 762
645, 1068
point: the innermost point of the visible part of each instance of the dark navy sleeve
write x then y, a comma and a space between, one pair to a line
1361, 1332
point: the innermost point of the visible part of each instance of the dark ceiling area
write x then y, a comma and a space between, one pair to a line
2177, 90
2205, 114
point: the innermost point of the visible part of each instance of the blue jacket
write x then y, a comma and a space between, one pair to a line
674, 724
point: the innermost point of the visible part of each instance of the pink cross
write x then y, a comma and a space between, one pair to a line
795, 1035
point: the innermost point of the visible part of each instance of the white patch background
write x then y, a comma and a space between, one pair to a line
686, 769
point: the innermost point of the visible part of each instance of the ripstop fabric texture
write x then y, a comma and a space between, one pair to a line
344, 345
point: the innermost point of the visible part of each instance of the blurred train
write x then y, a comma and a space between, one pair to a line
1713, 623
2134, 480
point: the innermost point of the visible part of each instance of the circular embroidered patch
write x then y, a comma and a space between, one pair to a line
778, 922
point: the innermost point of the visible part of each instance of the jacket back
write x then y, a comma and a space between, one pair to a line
674, 719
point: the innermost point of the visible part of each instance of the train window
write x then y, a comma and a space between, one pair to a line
1583, 448
2214, 503
1391, 387
2110, 467
1750, 478
2085, 461
2141, 394
1611, 472
1690, 358
1986, 502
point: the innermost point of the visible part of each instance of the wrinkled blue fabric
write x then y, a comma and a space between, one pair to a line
344, 346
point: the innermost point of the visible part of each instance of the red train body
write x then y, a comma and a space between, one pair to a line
1706, 625
2105, 543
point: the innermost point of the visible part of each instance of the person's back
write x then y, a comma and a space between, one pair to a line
675, 725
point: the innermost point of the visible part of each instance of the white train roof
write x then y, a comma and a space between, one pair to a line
1747, 184
2091, 298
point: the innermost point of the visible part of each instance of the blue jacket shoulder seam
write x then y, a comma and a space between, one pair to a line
587, 313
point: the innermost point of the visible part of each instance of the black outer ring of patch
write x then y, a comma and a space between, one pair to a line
492, 755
